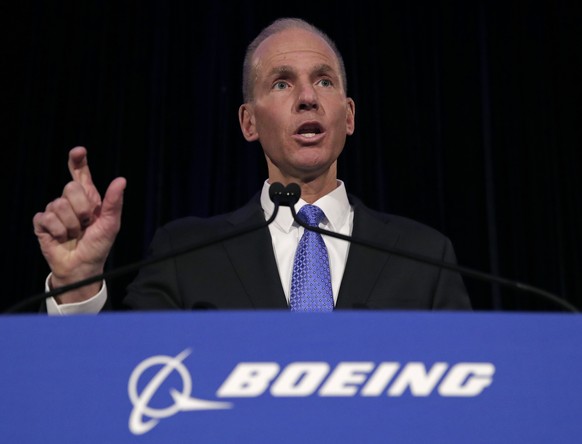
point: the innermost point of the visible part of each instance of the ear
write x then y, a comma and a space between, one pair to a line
246, 119
350, 116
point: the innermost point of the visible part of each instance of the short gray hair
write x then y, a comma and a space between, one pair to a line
277, 26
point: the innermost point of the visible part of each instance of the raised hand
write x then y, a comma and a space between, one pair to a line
77, 230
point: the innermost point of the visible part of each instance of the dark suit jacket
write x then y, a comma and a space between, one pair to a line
241, 273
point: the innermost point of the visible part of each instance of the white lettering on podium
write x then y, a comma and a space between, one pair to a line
248, 379
302, 379
416, 378
346, 378
252, 379
467, 379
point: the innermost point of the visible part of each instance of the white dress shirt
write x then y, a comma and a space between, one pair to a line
285, 234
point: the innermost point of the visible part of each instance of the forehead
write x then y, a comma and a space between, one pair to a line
293, 46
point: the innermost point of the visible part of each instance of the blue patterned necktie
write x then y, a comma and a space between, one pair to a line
311, 281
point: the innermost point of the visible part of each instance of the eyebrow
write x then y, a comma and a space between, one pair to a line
320, 69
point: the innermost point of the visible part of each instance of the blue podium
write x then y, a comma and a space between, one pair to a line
278, 377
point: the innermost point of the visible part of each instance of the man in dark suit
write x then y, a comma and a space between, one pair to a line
296, 107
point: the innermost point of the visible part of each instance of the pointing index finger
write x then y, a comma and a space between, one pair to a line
79, 167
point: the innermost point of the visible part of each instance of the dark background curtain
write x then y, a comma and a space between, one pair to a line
467, 120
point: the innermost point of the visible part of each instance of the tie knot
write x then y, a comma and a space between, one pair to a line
311, 215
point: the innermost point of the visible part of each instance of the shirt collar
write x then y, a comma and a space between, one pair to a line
335, 205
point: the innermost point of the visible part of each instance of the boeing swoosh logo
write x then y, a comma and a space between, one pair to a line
143, 418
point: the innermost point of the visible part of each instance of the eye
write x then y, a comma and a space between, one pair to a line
280, 85
326, 83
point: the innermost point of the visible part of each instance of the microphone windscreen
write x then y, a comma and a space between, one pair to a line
286, 196
276, 191
293, 192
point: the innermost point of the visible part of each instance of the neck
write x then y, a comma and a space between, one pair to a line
311, 192
311, 188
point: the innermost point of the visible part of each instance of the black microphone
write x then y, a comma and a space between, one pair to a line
294, 190
284, 195
278, 194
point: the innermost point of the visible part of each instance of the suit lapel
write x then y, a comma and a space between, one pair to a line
364, 264
253, 259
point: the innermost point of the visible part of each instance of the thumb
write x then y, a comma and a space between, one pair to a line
113, 199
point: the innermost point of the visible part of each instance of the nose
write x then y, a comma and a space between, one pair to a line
307, 99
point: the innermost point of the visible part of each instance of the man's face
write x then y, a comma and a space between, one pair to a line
300, 113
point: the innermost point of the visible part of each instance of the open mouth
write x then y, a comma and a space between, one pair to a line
310, 129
